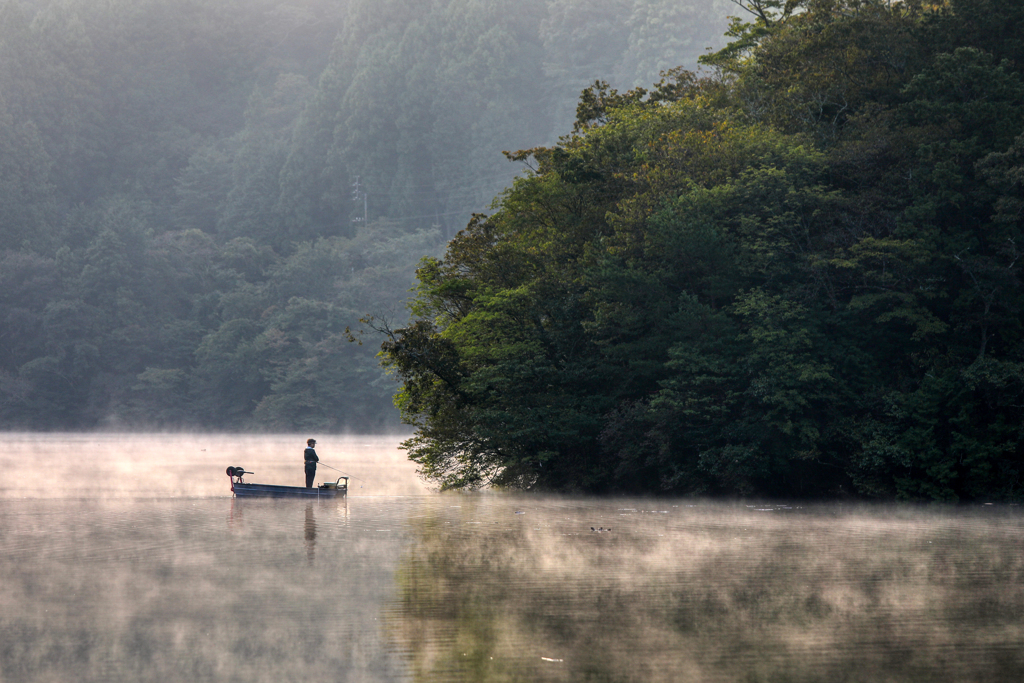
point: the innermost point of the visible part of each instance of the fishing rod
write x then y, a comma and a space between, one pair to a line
337, 470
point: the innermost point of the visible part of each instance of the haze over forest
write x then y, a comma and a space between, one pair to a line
797, 273
182, 242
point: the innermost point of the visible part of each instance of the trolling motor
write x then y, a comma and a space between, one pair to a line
334, 484
234, 472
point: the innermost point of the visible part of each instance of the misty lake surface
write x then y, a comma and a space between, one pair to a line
126, 558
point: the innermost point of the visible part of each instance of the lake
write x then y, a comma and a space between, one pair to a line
125, 558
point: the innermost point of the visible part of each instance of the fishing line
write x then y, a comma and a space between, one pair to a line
337, 470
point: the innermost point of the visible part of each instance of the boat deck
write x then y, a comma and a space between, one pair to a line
242, 489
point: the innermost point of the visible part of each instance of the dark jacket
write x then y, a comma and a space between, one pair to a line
311, 459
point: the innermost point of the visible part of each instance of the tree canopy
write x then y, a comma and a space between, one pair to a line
798, 274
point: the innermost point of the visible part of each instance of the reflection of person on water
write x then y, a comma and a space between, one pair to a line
310, 529
311, 461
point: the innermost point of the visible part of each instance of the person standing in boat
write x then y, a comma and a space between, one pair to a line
311, 461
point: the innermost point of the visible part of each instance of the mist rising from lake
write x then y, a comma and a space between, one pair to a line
104, 466
125, 558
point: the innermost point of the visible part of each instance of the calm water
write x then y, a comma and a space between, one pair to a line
126, 559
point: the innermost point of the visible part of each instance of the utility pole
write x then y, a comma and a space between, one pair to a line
357, 194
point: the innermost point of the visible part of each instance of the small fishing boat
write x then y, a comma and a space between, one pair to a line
330, 489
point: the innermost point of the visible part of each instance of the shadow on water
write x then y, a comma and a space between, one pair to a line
682, 592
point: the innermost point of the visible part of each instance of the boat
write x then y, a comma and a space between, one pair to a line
327, 490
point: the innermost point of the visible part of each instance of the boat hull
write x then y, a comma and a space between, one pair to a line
272, 491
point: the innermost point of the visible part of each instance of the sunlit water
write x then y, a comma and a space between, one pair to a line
125, 558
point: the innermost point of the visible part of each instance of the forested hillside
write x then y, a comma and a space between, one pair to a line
197, 197
798, 276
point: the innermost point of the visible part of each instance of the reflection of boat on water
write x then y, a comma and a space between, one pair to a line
331, 489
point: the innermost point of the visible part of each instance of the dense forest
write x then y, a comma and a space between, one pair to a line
197, 197
797, 274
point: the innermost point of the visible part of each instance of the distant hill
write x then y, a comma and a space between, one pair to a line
197, 197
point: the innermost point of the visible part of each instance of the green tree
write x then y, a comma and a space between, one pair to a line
799, 278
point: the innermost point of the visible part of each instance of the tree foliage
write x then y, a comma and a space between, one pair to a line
796, 276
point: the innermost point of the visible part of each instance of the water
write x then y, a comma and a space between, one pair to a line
126, 559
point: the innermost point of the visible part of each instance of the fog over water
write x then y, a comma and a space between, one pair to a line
103, 466
125, 558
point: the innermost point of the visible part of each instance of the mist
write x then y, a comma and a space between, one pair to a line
124, 557
200, 197
136, 466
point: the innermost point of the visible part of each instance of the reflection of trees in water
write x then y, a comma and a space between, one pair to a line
734, 597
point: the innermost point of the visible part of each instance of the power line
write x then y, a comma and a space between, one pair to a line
323, 227
435, 190
428, 215
359, 193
